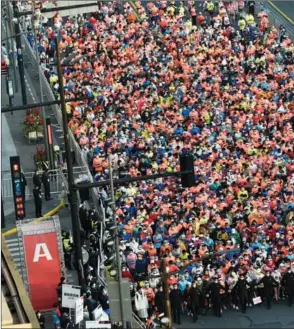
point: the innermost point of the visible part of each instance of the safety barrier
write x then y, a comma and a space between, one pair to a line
6, 184
58, 182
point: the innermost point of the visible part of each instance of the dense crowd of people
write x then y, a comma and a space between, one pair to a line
165, 79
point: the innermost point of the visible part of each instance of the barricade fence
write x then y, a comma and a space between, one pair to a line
58, 182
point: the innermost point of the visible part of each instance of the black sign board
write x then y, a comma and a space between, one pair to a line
17, 188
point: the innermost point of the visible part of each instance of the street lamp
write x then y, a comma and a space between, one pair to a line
72, 197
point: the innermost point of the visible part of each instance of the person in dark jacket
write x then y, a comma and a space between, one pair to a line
176, 303
104, 301
23, 186
91, 304
251, 7
141, 267
194, 296
66, 321
288, 283
41, 319
158, 300
59, 287
38, 201
268, 291
214, 289
46, 184
241, 289
36, 179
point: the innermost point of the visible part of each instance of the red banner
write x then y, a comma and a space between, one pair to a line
43, 268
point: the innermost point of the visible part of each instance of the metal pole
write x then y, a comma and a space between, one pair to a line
8, 6
8, 67
41, 88
73, 199
121, 301
34, 105
167, 305
19, 54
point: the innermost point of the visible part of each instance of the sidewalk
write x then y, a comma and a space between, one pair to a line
64, 214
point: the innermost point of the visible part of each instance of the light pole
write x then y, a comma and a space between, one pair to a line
121, 299
73, 198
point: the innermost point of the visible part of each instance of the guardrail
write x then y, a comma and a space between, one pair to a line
58, 182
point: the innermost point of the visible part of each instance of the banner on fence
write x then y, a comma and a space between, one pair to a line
43, 257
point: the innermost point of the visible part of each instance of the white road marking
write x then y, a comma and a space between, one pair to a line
30, 90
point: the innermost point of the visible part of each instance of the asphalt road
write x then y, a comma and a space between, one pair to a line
287, 7
280, 316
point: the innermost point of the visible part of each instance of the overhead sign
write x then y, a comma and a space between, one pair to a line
43, 267
79, 310
96, 324
18, 188
69, 295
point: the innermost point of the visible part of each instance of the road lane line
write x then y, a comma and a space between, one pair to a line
281, 12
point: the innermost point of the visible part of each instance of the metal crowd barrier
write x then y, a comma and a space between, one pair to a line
56, 184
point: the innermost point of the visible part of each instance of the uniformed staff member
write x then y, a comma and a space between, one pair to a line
67, 248
268, 291
38, 201
288, 282
46, 183
36, 179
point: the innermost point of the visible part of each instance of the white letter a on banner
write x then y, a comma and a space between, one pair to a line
45, 252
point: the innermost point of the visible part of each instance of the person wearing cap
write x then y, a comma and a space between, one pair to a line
157, 239
159, 300
149, 293
194, 297
140, 268
176, 303
288, 283
215, 294
268, 283
90, 305
241, 289
125, 272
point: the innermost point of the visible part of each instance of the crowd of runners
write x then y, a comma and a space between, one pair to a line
165, 79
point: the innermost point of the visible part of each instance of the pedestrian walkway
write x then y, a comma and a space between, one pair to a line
17, 253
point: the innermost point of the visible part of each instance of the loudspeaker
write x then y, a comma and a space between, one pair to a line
187, 164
